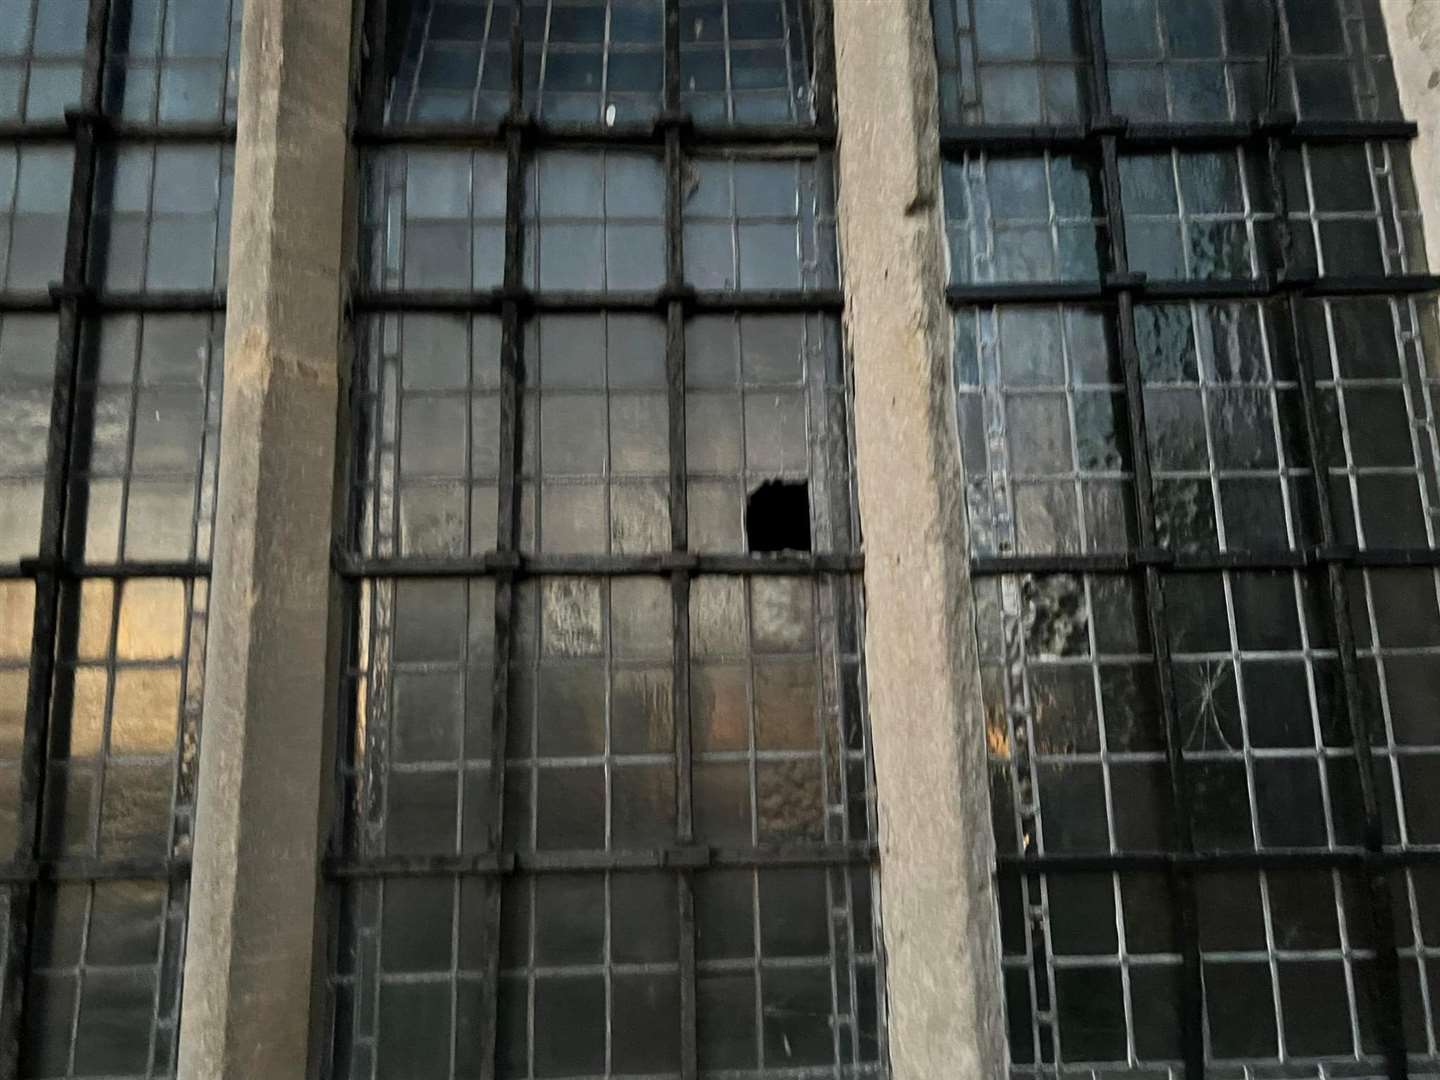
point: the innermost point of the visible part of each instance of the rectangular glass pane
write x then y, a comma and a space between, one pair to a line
592, 961
434, 219
1094, 976
1227, 437
595, 470
106, 963
776, 713
1044, 430
786, 973
42, 54
1372, 358
417, 767
174, 61
1024, 219
449, 62
765, 405
427, 453
746, 61
1005, 62
1354, 210
125, 719
17, 616
27, 366
1196, 215
594, 222
35, 183
760, 224
162, 217
595, 61
591, 754
149, 402
1011, 62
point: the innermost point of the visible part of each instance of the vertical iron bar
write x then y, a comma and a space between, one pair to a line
53, 535
1386, 988
512, 378
1182, 881
368, 106
823, 81
375, 41
679, 533
374, 64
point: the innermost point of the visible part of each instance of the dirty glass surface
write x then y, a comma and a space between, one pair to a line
600, 62
1027, 61
133, 461
606, 801
1165, 477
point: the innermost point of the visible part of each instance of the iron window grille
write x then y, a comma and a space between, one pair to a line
1156, 335
116, 120
594, 904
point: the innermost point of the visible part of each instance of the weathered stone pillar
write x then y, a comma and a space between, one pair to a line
248, 970
1414, 29
937, 853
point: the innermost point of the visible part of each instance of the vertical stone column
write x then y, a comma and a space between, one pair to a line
248, 970
937, 853
1414, 29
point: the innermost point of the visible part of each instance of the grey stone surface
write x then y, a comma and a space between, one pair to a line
1414, 28
248, 970
937, 853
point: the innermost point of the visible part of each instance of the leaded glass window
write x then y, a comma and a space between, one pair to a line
1195, 367
1207, 61
606, 802
115, 171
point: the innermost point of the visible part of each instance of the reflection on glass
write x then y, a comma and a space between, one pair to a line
1010, 61
34, 207
1016, 219
163, 217
174, 61
595, 221
137, 483
746, 61
1025, 61
42, 46
27, 362
760, 224
601, 61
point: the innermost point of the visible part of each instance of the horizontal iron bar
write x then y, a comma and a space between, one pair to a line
1266, 287
542, 133
980, 295
1011, 866
493, 300
688, 857
112, 302
29, 569
354, 566
81, 868
116, 131
1024, 292
956, 141
1125, 562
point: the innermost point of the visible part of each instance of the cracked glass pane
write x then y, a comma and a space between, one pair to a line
1250, 693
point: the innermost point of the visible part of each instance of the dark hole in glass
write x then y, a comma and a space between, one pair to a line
777, 517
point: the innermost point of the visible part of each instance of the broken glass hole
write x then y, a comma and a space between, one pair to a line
777, 517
